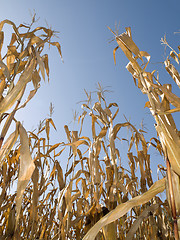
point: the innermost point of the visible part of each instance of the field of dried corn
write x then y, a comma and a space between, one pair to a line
97, 196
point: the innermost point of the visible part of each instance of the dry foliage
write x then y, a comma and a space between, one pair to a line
161, 101
66, 206
99, 195
22, 63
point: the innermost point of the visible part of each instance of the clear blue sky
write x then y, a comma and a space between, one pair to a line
88, 57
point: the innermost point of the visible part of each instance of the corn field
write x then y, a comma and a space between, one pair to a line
97, 196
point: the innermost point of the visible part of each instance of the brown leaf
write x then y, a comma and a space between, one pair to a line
8, 145
10, 99
46, 64
36, 79
53, 147
114, 51
5, 70
26, 169
172, 71
58, 47
1, 42
41, 64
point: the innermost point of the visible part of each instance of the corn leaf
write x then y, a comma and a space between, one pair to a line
123, 208
26, 169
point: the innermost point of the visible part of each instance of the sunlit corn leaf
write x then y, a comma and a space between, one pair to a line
1, 42
103, 132
172, 71
41, 64
82, 120
46, 64
53, 148
114, 51
174, 56
123, 208
47, 128
8, 145
10, 99
176, 184
52, 123
170, 144
67, 133
13, 25
58, 47
31, 95
60, 176
26, 169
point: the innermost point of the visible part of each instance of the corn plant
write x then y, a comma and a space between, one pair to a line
22, 62
161, 100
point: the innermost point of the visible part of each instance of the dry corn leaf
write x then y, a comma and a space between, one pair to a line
5, 70
2, 87
14, 27
10, 99
173, 55
46, 64
171, 144
93, 126
171, 111
1, 42
59, 153
75, 196
8, 144
67, 133
126, 39
36, 79
7, 124
103, 132
123, 208
117, 127
172, 71
145, 214
26, 169
60, 176
78, 143
53, 147
11, 57
52, 123
36, 40
41, 64
58, 47
47, 128
31, 95
114, 54
82, 120
128, 47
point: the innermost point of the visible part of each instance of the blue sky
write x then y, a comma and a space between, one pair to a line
88, 55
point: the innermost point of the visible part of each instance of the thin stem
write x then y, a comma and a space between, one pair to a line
172, 199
